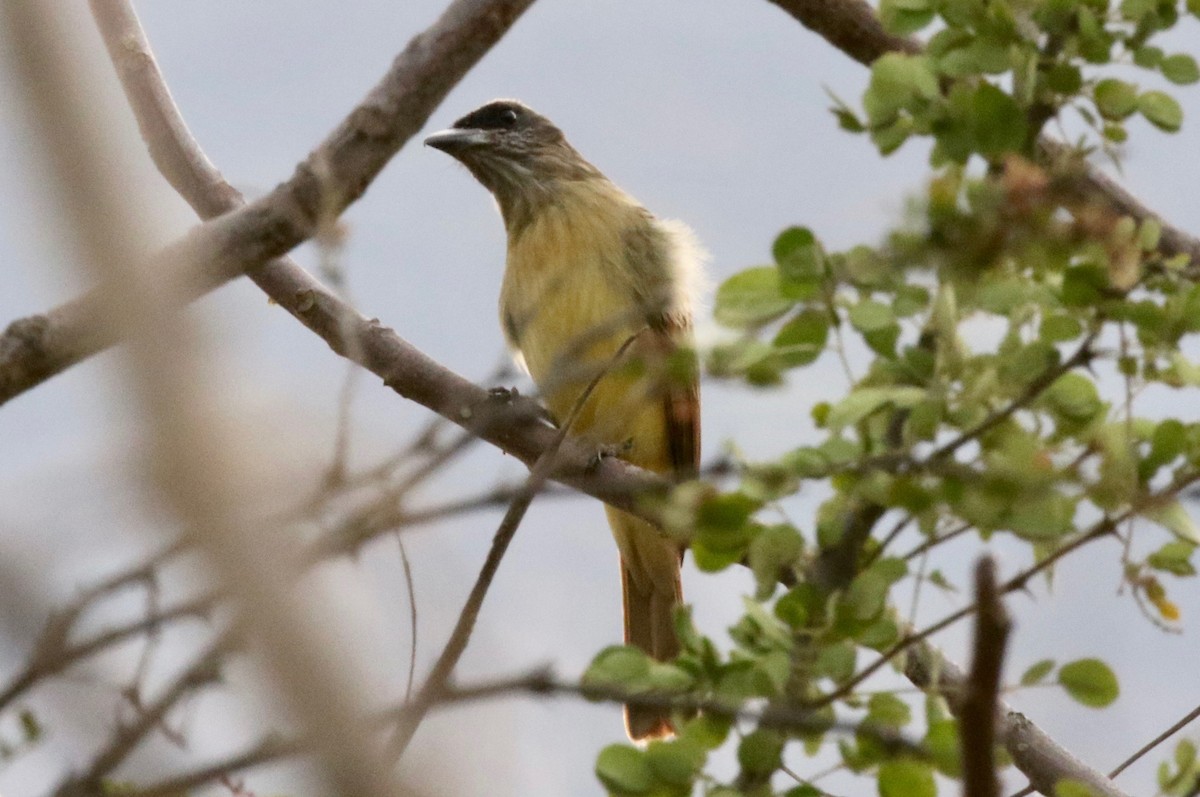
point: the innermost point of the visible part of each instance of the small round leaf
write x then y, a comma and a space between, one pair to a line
1089, 681
1161, 110
624, 769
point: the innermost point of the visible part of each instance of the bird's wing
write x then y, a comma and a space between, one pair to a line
681, 398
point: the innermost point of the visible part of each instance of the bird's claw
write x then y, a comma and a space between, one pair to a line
607, 451
504, 395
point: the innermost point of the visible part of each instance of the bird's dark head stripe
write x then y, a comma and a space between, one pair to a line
496, 115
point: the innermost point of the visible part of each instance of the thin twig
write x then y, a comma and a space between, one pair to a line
46, 661
435, 683
202, 672
411, 591
853, 27
1188, 718
1098, 530
1082, 356
541, 682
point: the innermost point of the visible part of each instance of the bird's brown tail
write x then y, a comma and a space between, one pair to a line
650, 625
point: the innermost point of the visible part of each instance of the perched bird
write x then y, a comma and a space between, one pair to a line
589, 271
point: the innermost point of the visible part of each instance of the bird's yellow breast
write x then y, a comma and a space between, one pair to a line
568, 303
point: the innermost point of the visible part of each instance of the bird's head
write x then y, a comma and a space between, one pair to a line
518, 154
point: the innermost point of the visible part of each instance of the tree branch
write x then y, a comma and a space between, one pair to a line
542, 683
977, 713
435, 684
514, 424
853, 27
1038, 756
849, 25
54, 339
331, 178
189, 454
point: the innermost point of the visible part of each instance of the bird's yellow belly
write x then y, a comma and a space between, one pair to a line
569, 331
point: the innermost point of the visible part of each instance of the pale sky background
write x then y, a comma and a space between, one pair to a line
711, 112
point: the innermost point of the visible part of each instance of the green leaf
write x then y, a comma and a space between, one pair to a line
772, 550
1064, 79
675, 762
1074, 396
624, 769
1090, 682
1043, 517
31, 727
1147, 57
998, 123
902, 17
870, 315
945, 751
1136, 9
1174, 518
804, 790
866, 596
707, 731
618, 665
1180, 69
1149, 235
750, 298
1060, 327
1161, 110
867, 400
1068, 787
836, 662
799, 255
901, 777
898, 82
1185, 754
1037, 672
888, 710
761, 752
1174, 557
802, 339
1115, 99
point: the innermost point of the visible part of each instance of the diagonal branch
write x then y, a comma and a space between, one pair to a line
512, 423
333, 176
849, 25
435, 684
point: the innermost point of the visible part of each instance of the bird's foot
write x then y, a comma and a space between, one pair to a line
503, 395
608, 451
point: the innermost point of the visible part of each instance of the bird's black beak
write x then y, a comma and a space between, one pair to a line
457, 139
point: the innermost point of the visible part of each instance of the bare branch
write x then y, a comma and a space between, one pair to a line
849, 25
203, 672
1187, 719
330, 179
190, 454
53, 654
513, 424
542, 683
1037, 755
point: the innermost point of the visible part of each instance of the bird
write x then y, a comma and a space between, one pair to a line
596, 289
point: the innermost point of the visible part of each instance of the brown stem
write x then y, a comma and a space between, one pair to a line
977, 713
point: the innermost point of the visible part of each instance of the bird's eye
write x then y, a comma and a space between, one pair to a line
508, 117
